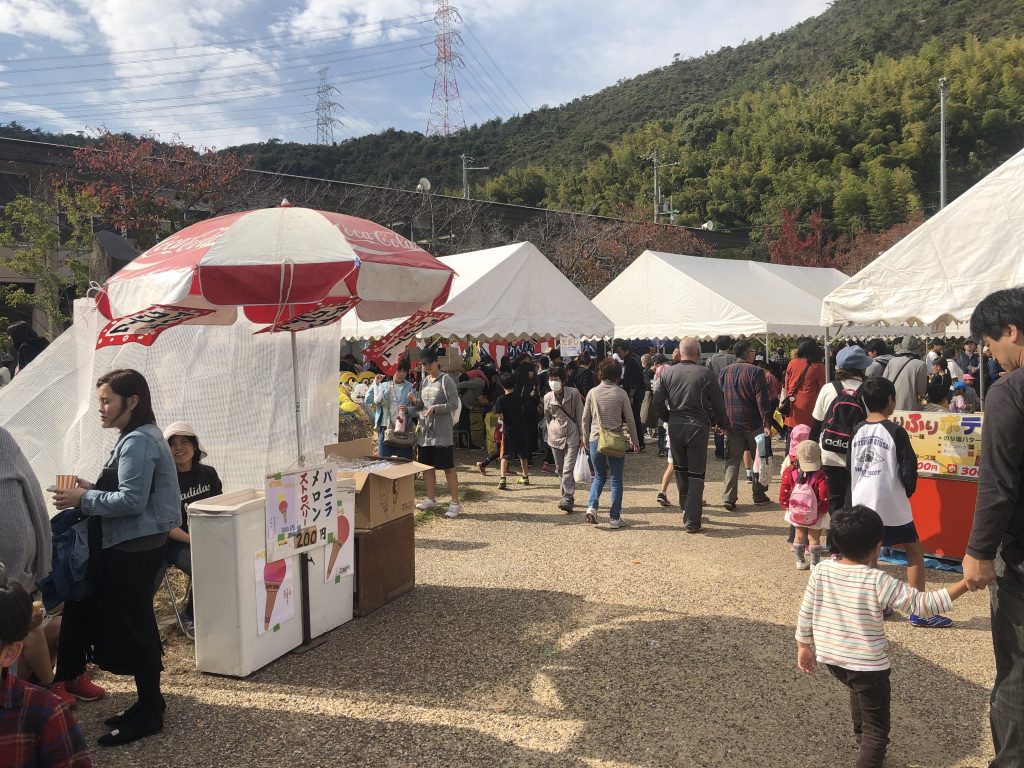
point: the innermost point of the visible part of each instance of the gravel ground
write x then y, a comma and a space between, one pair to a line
534, 639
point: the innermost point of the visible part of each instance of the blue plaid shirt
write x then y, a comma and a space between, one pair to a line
746, 397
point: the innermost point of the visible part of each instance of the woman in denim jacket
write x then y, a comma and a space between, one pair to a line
135, 501
385, 399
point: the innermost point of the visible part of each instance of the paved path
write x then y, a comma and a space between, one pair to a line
534, 639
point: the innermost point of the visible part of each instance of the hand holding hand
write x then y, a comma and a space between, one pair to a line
978, 574
805, 658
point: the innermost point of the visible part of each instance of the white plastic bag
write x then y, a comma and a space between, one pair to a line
582, 469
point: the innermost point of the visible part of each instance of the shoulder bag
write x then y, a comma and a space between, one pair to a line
611, 442
786, 404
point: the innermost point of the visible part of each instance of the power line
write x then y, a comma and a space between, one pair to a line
500, 71
301, 38
199, 74
259, 90
478, 87
504, 97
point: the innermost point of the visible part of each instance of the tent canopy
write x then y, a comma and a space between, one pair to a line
668, 295
937, 274
503, 293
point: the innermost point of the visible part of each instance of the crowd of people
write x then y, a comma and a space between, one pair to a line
79, 589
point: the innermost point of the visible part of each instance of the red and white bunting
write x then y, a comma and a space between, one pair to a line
143, 327
386, 351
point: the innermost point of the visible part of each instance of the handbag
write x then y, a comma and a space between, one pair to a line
786, 403
648, 413
611, 442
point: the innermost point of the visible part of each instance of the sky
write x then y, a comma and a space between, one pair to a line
237, 71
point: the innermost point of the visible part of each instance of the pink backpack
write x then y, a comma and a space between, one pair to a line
803, 501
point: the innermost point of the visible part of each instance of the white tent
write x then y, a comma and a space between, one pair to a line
669, 295
233, 387
937, 274
504, 293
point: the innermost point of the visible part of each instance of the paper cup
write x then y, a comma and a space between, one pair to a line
66, 481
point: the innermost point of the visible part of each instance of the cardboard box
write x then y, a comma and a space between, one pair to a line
385, 564
384, 494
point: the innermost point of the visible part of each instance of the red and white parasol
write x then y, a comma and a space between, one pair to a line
290, 268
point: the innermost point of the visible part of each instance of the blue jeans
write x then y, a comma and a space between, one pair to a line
602, 464
384, 450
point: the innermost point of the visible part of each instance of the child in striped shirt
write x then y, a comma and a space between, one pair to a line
841, 615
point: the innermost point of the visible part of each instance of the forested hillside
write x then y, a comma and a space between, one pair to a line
847, 37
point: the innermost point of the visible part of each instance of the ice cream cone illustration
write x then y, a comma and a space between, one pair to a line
343, 531
273, 577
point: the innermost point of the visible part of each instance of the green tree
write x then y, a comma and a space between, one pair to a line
48, 240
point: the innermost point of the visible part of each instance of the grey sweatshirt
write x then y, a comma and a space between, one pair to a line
25, 544
690, 390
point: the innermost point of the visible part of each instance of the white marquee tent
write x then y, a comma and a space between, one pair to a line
937, 274
504, 293
668, 295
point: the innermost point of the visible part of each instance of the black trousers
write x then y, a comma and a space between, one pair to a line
838, 485
870, 696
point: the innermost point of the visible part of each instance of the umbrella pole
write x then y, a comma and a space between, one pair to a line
295, 391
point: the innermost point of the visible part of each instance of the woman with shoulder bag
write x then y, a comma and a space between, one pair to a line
608, 422
805, 376
136, 502
394, 405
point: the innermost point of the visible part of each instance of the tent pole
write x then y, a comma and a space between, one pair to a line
982, 368
828, 352
295, 391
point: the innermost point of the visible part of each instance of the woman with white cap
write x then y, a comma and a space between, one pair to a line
196, 481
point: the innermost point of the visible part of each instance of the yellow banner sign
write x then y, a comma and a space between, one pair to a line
946, 444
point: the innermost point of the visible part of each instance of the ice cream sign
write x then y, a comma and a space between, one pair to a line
301, 511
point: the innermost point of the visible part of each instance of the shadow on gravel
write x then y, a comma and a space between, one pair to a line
451, 546
465, 676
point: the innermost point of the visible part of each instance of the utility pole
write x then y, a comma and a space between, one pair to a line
942, 143
657, 187
466, 168
325, 119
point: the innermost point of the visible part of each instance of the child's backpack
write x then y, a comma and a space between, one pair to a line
845, 413
803, 501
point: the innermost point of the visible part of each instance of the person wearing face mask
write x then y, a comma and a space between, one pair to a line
197, 481
563, 412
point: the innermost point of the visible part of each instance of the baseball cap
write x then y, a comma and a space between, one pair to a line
808, 453
853, 359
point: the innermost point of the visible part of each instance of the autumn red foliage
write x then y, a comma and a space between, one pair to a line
148, 189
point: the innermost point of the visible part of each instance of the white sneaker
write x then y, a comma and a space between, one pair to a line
426, 504
617, 523
592, 515
453, 511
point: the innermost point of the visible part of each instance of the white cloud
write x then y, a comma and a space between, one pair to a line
53, 117
40, 18
361, 20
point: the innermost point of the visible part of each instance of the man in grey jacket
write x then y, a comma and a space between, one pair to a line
909, 373
690, 400
880, 356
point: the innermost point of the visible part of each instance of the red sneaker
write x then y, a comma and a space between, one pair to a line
84, 689
60, 690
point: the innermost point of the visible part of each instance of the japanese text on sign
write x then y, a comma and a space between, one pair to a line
946, 444
143, 327
300, 511
325, 314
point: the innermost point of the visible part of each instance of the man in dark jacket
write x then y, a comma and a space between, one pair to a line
995, 552
689, 398
717, 363
748, 413
633, 382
